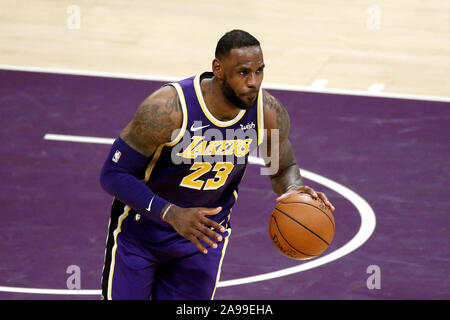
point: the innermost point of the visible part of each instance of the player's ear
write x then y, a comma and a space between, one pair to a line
217, 68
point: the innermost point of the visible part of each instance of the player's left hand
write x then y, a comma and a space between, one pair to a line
305, 189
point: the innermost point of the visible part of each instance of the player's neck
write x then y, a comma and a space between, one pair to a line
216, 102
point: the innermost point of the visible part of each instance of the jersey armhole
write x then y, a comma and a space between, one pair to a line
260, 117
182, 99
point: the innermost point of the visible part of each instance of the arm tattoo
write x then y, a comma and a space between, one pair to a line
282, 117
288, 172
153, 124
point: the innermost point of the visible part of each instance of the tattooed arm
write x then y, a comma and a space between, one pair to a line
156, 119
287, 178
276, 118
130, 153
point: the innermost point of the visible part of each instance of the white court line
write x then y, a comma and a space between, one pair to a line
319, 84
50, 291
83, 139
376, 88
265, 85
368, 223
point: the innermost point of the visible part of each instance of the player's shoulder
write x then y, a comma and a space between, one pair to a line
275, 114
166, 97
162, 105
271, 103
155, 121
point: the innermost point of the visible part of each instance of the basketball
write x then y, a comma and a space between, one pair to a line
301, 227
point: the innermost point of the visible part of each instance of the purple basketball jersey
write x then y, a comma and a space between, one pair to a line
205, 162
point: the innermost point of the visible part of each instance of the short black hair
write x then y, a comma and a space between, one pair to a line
234, 39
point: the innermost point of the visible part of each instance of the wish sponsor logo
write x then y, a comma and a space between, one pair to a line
250, 125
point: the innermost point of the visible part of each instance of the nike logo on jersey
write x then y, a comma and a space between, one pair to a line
150, 204
198, 128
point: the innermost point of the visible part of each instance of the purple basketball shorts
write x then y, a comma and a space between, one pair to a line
146, 259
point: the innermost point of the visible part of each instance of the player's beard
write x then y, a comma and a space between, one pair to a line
233, 98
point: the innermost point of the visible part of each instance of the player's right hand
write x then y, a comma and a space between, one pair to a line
192, 224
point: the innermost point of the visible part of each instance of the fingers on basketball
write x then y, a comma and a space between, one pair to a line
301, 227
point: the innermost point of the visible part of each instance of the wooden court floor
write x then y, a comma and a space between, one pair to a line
378, 45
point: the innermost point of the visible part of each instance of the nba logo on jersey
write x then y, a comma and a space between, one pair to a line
116, 156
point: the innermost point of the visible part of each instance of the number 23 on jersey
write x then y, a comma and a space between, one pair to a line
194, 180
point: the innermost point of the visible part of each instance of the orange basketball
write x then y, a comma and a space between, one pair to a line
301, 227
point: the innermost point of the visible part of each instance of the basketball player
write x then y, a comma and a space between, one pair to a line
175, 169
